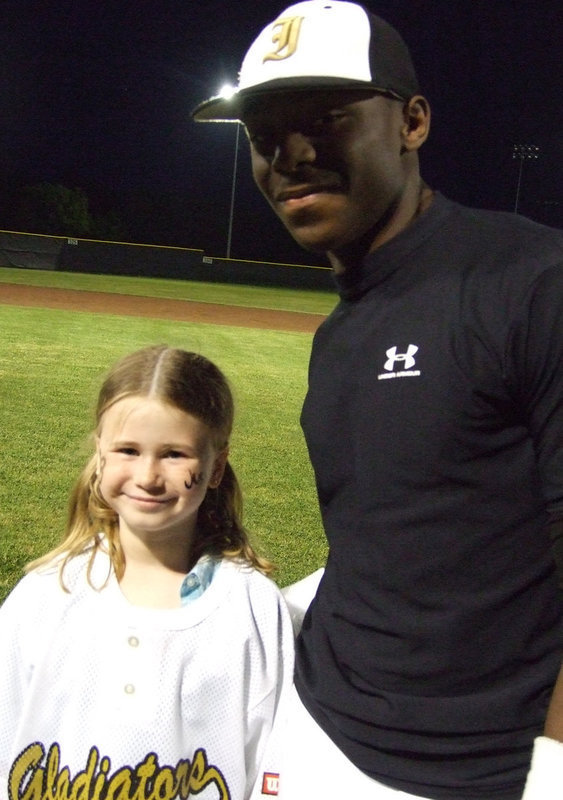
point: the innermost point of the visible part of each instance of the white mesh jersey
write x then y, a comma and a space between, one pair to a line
100, 699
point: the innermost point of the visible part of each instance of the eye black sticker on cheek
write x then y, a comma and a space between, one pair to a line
194, 480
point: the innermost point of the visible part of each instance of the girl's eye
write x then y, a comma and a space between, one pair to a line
127, 451
175, 454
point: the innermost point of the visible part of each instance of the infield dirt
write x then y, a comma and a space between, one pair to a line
158, 308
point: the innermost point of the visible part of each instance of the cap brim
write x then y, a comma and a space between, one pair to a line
223, 109
218, 109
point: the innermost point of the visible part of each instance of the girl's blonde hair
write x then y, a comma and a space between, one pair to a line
193, 384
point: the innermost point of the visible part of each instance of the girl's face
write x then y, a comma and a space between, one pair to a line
156, 463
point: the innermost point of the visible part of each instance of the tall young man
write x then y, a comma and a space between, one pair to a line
428, 662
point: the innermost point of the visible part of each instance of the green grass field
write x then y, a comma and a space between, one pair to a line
51, 365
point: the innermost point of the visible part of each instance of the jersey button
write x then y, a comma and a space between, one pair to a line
133, 641
129, 688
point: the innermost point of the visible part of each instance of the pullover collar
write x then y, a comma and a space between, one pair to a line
395, 254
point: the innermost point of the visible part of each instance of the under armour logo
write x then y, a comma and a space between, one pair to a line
284, 38
393, 356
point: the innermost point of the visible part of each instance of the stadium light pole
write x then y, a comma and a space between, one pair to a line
525, 152
227, 91
233, 192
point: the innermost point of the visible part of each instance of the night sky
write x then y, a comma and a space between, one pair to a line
97, 96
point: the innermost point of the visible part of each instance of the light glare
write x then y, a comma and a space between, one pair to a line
227, 91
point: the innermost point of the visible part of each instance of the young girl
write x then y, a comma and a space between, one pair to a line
147, 656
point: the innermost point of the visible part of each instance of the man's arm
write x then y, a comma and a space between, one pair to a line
554, 719
545, 777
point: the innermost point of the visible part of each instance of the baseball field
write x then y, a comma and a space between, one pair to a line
60, 333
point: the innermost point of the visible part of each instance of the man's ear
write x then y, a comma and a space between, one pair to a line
416, 123
218, 468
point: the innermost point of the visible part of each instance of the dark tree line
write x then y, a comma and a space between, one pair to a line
54, 209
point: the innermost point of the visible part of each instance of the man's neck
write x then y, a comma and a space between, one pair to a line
412, 205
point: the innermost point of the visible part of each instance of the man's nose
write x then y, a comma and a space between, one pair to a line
293, 150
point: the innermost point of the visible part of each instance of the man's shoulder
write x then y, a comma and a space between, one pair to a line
506, 232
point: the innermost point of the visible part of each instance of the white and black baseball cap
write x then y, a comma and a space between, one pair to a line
319, 44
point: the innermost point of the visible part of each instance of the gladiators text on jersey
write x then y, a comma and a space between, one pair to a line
39, 775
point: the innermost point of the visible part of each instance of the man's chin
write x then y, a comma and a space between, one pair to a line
313, 241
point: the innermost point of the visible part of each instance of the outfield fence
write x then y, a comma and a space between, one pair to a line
36, 251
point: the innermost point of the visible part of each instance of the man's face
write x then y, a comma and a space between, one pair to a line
329, 163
